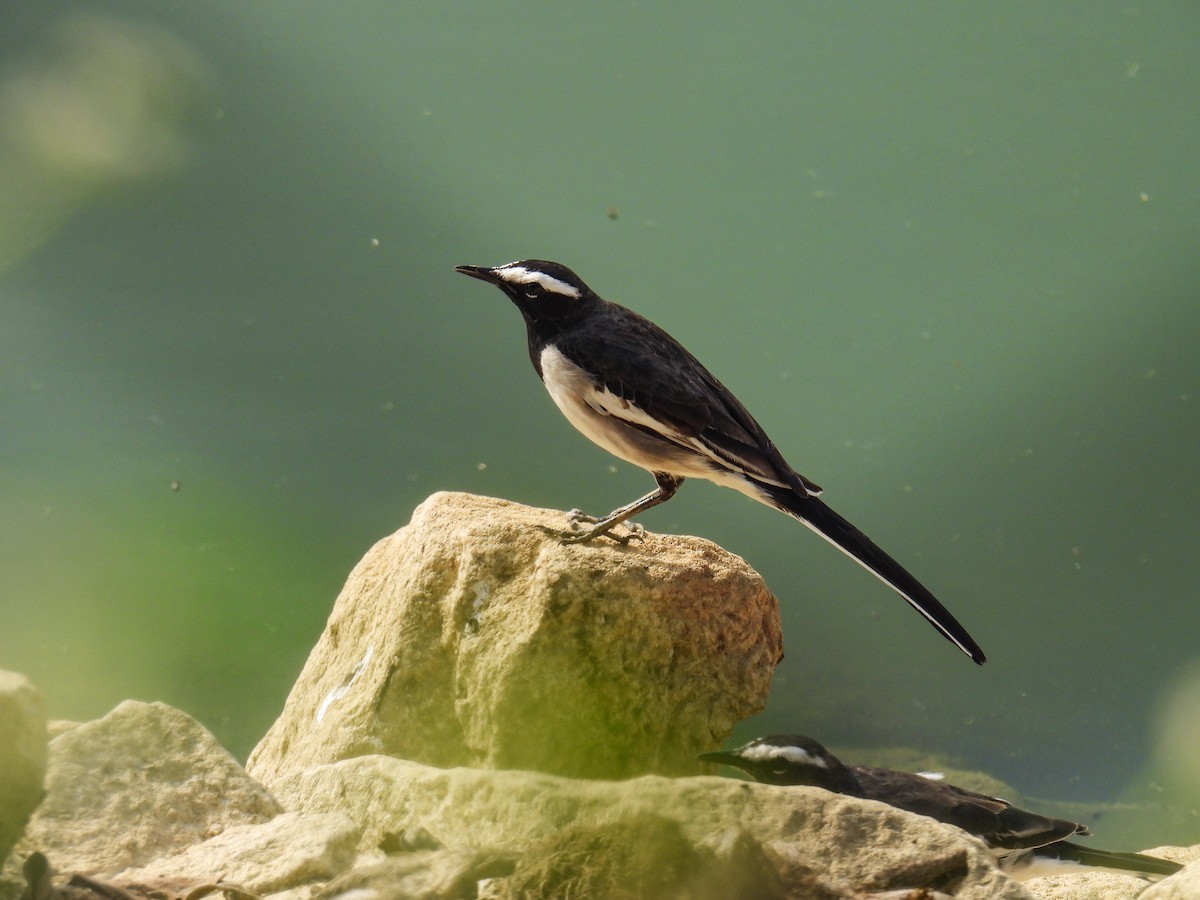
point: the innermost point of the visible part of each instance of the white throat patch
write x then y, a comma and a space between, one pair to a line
515, 274
798, 755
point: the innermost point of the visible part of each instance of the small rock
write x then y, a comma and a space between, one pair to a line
22, 755
142, 782
473, 636
290, 850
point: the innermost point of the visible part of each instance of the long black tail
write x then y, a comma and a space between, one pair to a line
1137, 863
827, 523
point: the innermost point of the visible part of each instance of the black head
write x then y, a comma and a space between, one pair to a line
784, 759
540, 288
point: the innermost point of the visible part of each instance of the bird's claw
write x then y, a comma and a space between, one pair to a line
578, 534
578, 518
636, 533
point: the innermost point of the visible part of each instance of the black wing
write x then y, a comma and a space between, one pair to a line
662, 380
994, 820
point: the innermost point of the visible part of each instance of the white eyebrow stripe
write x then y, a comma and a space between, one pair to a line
521, 275
766, 753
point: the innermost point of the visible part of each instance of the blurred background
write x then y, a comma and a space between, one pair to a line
946, 253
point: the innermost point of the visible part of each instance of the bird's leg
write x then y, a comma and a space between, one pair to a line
667, 486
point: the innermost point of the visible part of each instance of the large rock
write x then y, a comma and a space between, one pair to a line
22, 755
142, 782
830, 844
473, 636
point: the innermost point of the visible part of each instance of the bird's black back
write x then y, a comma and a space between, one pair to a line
662, 378
1002, 825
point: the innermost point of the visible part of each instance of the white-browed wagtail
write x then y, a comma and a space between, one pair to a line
1025, 844
634, 390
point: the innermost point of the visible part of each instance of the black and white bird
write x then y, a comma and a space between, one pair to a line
633, 389
1025, 844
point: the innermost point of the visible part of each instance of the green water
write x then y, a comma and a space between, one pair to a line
945, 252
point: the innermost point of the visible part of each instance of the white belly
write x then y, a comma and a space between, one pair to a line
626, 431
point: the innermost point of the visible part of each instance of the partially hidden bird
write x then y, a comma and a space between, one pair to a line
1026, 845
634, 390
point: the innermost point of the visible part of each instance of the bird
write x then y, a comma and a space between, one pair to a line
1025, 844
634, 390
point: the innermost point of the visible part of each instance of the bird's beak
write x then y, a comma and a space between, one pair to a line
483, 273
721, 757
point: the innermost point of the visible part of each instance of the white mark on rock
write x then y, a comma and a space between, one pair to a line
482, 593
344, 688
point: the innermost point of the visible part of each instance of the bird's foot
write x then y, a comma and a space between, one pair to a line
600, 528
577, 518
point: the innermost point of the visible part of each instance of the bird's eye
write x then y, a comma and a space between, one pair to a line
533, 290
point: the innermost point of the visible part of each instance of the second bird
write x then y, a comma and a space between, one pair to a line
634, 390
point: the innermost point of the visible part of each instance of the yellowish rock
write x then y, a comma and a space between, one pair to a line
474, 636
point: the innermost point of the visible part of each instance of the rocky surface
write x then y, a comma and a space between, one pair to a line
420, 875
140, 783
22, 755
291, 849
400, 829
804, 835
648, 855
1183, 885
473, 636
147, 782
